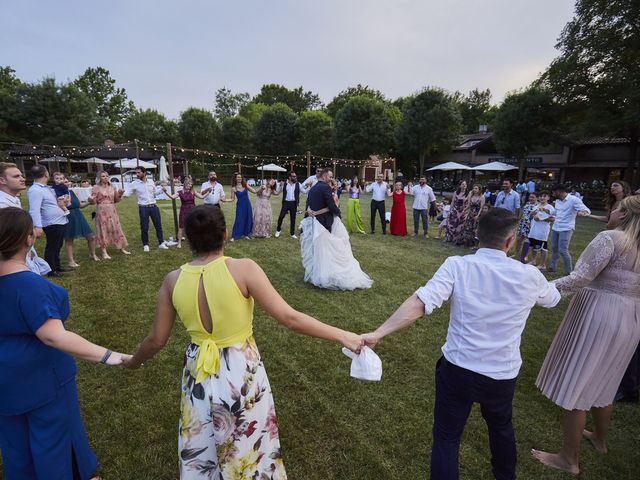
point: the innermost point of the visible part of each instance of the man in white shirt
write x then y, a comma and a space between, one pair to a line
481, 356
378, 190
215, 191
145, 189
290, 201
311, 181
11, 184
567, 208
423, 197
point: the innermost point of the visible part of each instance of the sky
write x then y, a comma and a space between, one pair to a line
173, 54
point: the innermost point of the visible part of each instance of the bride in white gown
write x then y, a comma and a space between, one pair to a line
327, 257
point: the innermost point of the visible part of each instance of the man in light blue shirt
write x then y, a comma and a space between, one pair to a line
48, 218
507, 198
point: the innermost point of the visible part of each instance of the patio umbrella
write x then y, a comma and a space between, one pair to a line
495, 167
56, 159
271, 167
132, 163
448, 166
164, 173
94, 161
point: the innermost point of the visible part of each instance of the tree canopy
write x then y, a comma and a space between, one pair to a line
274, 133
313, 131
297, 99
344, 96
228, 104
150, 126
198, 129
236, 135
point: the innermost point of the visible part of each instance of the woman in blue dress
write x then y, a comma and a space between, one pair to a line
41, 432
243, 224
77, 227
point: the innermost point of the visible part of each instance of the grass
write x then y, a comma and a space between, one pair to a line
331, 426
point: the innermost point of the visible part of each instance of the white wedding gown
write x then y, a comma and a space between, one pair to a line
327, 258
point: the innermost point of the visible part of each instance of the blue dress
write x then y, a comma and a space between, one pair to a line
243, 225
41, 429
78, 225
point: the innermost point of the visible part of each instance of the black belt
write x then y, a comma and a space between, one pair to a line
148, 206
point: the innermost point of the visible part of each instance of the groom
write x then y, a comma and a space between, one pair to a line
320, 197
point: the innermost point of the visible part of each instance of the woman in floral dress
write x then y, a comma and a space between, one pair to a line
475, 202
228, 425
522, 235
108, 229
455, 221
262, 214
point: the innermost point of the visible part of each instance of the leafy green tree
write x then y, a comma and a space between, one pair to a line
275, 132
237, 135
9, 84
253, 112
524, 121
365, 126
430, 124
344, 96
314, 132
198, 129
229, 104
150, 126
110, 102
596, 77
475, 109
297, 99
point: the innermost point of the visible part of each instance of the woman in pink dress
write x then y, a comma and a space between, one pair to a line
262, 211
187, 203
108, 229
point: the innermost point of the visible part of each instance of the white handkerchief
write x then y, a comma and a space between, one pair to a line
366, 365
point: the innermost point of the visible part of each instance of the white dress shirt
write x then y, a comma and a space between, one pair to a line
290, 192
378, 190
145, 191
7, 200
422, 196
311, 181
215, 195
566, 211
491, 297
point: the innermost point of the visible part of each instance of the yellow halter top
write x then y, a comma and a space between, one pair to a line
231, 312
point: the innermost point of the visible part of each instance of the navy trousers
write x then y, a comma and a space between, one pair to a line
457, 389
154, 212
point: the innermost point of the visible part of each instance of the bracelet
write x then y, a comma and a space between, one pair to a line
106, 356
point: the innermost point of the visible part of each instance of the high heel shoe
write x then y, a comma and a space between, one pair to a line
74, 264
106, 256
94, 258
125, 252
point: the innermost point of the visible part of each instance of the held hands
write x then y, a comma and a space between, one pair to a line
371, 339
583, 214
352, 341
117, 358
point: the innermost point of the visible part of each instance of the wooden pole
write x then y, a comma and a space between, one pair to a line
121, 175
395, 170
173, 201
137, 153
239, 167
334, 169
308, 164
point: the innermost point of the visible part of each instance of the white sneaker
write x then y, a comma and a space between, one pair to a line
277, 233
145, 248
171, 243
163, 246
293, 236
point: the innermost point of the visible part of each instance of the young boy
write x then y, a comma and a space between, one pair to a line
445, 208
540, 227
61, 190
481, 356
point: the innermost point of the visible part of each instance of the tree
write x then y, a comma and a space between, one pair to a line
150, 126
365, 126
198, 129
596, 77
297, 99
475, 109
236, 135
228, 104
344, 96
275, 131
9, 84
110, 102
525, 120
314, 131
430, 124
253, 112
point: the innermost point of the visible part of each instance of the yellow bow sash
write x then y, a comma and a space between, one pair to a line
208, 356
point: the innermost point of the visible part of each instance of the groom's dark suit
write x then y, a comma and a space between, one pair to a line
319, 198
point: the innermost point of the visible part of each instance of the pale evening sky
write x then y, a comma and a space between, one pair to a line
170, 54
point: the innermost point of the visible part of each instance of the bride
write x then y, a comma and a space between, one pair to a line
326, 256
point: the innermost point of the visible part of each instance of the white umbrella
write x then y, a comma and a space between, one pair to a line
55, 158
164, 173
495, 167
272, 167
132, 163
449, 166
94, 161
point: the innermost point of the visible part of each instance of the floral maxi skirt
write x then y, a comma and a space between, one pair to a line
228, 425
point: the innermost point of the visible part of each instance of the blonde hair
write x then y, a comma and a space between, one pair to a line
630, 225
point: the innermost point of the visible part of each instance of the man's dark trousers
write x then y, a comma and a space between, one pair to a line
417, 214
154, 212
291, 207
55, 240
457, 389
378, 206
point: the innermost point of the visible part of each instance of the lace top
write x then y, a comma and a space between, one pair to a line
604, 266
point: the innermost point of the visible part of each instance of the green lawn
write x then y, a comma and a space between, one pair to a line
332, 427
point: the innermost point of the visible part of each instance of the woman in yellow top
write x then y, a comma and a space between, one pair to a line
228, 426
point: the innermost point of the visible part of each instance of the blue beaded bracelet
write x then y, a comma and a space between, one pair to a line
106, 356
